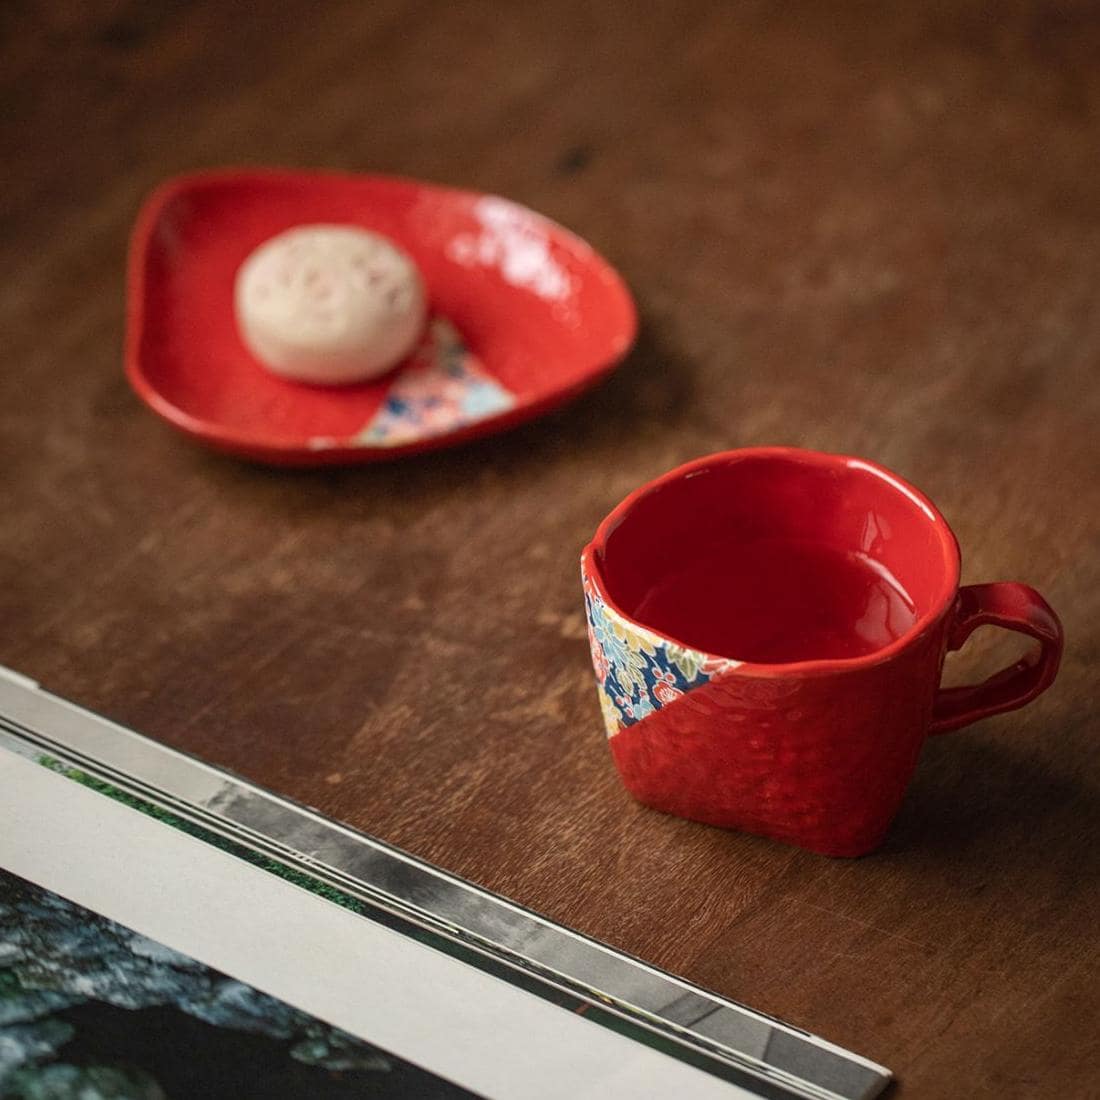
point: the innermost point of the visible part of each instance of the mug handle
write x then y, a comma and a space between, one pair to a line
1014, 607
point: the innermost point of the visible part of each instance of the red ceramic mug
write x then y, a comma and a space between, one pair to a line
768, 628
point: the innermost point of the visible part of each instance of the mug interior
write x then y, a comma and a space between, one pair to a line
776, 556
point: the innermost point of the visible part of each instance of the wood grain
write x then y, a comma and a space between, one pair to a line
865, 228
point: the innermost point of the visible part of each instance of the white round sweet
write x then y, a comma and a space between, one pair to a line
329, 304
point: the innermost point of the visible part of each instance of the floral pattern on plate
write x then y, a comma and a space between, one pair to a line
442, 388
637, 671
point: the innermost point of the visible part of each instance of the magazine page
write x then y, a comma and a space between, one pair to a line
150, 904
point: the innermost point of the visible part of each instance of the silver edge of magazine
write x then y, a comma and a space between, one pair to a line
383, 876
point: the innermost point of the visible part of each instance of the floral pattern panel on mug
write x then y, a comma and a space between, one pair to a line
638, 672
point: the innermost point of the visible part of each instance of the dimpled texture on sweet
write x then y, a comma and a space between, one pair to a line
329, 304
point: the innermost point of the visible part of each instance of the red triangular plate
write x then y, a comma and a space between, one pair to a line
525, 316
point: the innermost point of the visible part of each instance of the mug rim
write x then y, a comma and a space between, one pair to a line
937, 608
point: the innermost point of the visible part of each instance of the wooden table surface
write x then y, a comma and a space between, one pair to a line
866, 228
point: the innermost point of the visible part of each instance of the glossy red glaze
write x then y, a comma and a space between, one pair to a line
545, 315
845, 582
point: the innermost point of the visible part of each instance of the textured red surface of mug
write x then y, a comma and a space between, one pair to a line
768, 628
524, 316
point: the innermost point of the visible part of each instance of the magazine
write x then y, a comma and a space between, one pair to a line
170, 930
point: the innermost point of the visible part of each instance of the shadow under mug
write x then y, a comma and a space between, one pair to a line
768, 628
